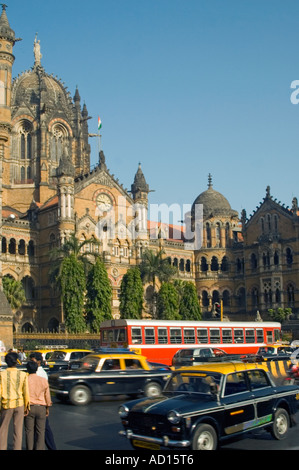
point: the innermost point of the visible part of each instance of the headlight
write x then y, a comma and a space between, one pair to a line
174, 417
123, 411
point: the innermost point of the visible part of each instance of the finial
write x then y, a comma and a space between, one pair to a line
36, 51
210, 181
3, 6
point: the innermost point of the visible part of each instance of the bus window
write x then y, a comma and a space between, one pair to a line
189, 335
175, 335
202, 335
259, 335
149, 335
214, 335
162, 336
238, 335
276, 335
120, 334
227, 335
269, 337
249, 335
136, 335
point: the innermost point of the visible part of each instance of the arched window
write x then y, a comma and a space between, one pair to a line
4, 245
255, 297
218, 234
59, 139
21, 247
203, 264
224, 264
289, 257
253, 261
241, 295
209, 237
214, 264
205, 298
290, 294
12, 246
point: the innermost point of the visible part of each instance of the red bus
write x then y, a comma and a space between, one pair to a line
159, 340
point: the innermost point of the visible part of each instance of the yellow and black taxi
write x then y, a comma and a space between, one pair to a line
60, 358
108, 374
202, 406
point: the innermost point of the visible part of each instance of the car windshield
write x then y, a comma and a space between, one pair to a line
88, 363
194, 382
58, 356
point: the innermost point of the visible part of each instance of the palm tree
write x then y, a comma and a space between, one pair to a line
154, 267
14, 292
72, 246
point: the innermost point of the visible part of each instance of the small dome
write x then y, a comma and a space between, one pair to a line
214, 203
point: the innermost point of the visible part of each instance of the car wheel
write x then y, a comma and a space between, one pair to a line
205, 438
153, 389
80, 395
281, 424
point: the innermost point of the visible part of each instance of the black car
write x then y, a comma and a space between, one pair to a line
108, 374
203, 406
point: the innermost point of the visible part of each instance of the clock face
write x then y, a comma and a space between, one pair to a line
104, 202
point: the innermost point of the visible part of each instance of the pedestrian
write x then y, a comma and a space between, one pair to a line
49, 437
40, 401
14, 401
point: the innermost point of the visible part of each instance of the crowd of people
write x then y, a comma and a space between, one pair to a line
25, 398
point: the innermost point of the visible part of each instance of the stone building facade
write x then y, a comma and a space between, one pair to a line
47, 192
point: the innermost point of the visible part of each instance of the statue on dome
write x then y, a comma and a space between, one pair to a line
36, 51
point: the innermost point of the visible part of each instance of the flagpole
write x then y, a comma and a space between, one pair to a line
98, 135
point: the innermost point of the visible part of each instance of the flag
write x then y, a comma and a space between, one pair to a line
99, 123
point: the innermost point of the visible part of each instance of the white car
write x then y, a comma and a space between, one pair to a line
194, 356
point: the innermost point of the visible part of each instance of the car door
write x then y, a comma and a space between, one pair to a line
107, 380
239, 411
262, 392
135, 375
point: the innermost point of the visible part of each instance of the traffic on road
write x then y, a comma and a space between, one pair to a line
116, 400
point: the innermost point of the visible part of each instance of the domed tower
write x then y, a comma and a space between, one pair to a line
216, 258
219, 219
44, 121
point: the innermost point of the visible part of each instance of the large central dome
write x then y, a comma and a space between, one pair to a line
214, 203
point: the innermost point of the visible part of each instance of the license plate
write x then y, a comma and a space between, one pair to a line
145, 445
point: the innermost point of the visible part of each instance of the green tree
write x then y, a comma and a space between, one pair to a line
280, 314
131, 295
189, 305
72, 246
72, 284
98, 295
14, 292
153, 266
168, 302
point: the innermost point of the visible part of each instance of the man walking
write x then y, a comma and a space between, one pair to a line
14, 401
40, 401
49, 437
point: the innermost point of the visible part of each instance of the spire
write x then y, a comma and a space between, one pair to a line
210, 184
140, 183
5, 30
77, 97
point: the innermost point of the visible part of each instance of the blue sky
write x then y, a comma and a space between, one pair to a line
186, 87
